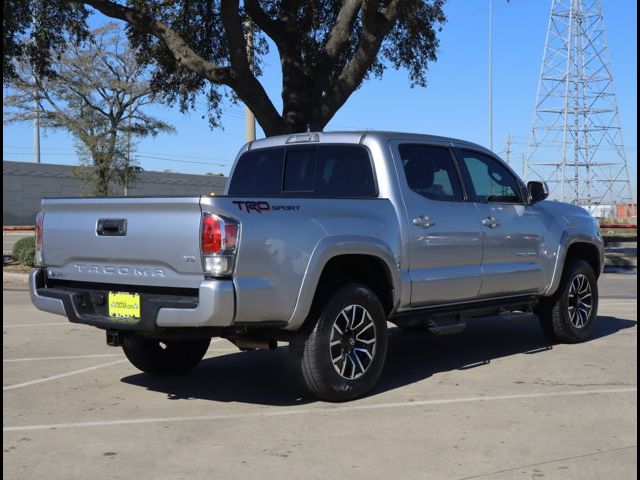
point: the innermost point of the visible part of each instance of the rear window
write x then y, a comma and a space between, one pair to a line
343, 171
300, 170
258, 173
321, 170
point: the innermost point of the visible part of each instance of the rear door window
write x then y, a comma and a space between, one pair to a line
258, 173
431, 171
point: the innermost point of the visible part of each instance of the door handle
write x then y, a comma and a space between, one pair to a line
111, 227
423, 221
490, 222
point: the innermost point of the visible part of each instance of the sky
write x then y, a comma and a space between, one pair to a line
454, 103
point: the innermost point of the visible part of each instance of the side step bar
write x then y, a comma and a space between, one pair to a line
447, 319
446, 326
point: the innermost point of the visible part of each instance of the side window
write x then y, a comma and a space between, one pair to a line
258, 173
431, 171
300, 170
344, 171
490, 180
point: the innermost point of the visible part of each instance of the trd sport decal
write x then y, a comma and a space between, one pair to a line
261, 207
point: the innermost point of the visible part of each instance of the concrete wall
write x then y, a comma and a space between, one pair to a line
24, 184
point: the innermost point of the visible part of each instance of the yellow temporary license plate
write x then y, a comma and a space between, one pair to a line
124, 305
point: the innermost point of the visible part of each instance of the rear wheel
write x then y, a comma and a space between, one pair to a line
570, 315
343, 356
164, 357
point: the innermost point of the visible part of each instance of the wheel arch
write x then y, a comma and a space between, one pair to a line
338, 261
585, 248
587, 252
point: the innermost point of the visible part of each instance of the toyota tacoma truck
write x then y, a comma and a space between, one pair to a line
319, 241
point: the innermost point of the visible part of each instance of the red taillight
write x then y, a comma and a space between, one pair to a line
218, 245
230, 236
39, 222
38, 253
211, 241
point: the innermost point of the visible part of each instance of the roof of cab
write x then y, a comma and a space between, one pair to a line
355, 137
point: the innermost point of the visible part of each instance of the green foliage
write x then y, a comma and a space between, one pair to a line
327, 48
39, 30
24, 251
410, 44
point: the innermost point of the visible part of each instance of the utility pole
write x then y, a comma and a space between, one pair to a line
36, 120
508, 151
127, 166
36, 131
249, 117
490, 74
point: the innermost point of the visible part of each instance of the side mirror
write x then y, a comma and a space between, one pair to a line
538, 191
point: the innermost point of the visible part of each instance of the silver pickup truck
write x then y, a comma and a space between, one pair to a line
319, 241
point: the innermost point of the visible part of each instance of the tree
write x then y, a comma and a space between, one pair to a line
327, 48
96, 90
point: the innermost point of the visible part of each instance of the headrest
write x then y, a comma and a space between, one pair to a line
420, 173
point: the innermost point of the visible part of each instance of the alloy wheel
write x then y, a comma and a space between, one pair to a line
352, 345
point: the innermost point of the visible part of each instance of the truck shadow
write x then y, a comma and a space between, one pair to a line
272, 378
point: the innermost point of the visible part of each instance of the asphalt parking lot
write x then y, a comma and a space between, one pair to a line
495, 402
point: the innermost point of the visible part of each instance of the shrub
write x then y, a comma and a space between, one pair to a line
24, 251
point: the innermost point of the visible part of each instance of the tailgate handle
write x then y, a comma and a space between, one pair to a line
112, 227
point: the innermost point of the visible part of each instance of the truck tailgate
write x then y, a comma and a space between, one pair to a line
147, 241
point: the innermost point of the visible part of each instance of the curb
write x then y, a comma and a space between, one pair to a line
26, 228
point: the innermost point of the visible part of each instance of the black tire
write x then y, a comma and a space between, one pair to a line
164, 357
558, 316
360, 370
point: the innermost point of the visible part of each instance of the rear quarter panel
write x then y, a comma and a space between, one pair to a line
287, 244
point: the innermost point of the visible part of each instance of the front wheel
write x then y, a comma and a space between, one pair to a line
570, 315
344, 354
164, 357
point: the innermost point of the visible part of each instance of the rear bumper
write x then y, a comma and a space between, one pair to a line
213, 307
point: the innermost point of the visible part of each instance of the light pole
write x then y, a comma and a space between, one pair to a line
490, 74
249, 117
36, 131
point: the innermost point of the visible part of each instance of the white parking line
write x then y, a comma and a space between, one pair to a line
62, 375
68, 357
68, 374
18, 325
73, 357
324, 410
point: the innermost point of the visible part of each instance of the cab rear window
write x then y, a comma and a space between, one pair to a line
318, 171
259, 173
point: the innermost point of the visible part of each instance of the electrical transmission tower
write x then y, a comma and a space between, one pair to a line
576, 139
